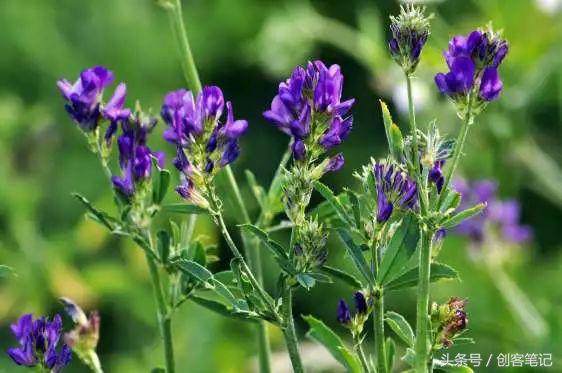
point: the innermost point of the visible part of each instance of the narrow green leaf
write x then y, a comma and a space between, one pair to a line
98, 215
184, 208
272, 245
393, 134
320, 277
160, 184
333, 200
356, 255
401, 247
257, 190
409, 357
343, 276
355, 205
325, 336
401, 327
451, 202
305, 280
222, 309
463, 215
163, 244
410, 278
194, 269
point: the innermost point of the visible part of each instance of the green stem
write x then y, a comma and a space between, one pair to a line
378, 325
457, 151
164, 319
289, 330
422, 309
361, 354
415, 167
186, 57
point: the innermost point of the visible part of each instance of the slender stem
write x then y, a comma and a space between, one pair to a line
378, 326
164, 319
289, 330
186, 57
361, 354
459, 144
415, 161
422, 322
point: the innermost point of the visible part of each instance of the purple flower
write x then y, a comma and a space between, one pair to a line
473, 61
83, 98
335, 163
410, 30
503, 215
360, 303
135, 157
343, 313
308, 106
204, 142
394, 189
38, 341
436, 175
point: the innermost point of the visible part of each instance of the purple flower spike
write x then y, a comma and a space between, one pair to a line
394, 189
343, 313
308, 106
83, 98
473, 62
38, 341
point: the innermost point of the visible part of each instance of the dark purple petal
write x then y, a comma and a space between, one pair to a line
210, 102
114, 110
343, 313
360, 303
299, 149
491, 85
233, 129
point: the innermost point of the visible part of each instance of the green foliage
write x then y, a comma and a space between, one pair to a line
401, 327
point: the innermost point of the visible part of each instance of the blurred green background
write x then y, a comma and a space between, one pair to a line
247, 47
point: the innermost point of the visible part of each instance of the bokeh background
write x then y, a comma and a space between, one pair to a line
246, 47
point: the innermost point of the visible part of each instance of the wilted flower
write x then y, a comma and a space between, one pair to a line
204, 143
38, 341
84, 98
394, 189
83, 339
135, 157
473, 63
449, 319
308, 108
410, 31
502, 215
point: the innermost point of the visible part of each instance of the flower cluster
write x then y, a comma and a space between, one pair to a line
84, 99
135, 157
38, 341
203, 142
473, 63
308, 108
355, 323
394, 189
410, 31
449, 320
502, 215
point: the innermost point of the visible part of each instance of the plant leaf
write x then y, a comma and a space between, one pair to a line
272, 245
333, 200
100, 216
410, 278
324, 335
401, 247
160, 182
356, 255
390, 353
343, 276
163, 244
401, 327
184, 208
222, 309
257, 190
305, 280
463, 215
194, 269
